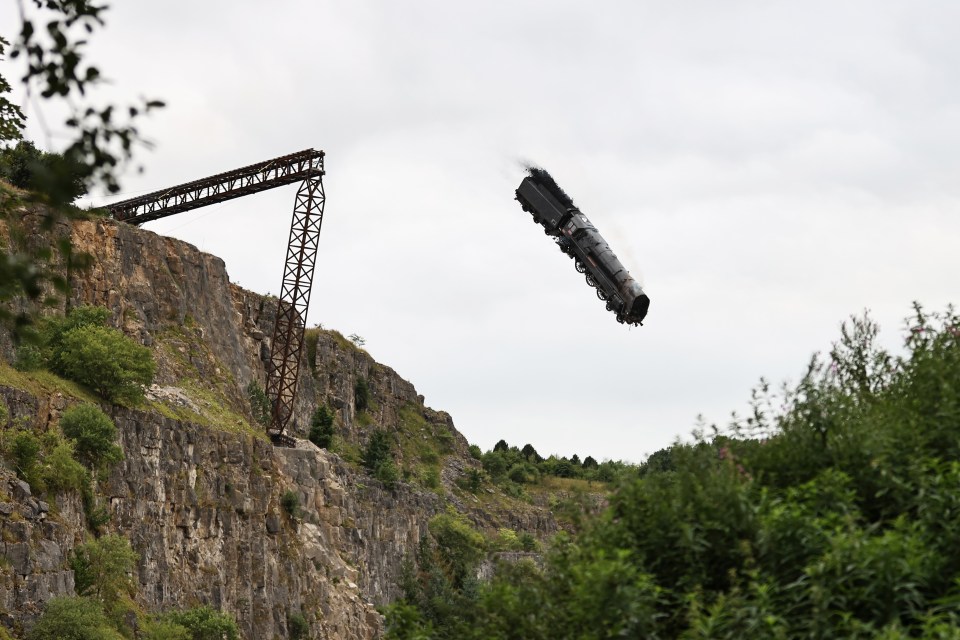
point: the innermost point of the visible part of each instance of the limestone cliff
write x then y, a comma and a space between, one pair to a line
199, 491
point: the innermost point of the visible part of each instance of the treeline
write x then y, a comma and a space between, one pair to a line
61, 178
832, 511
505, 464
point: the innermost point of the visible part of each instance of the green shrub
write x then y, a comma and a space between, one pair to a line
321, 427
378, 449
430, 477
461, 546
29, 357
46, 462
48, 345
165, 630
25, 450
102, 569
523, 473
310, 339
387, 473
93, 434
290, 502
472, 481
61, 471
27, 167
73, 618
528, 542
205, 623
405, 622
297, 626
83, 316
259, 404
495, 464
508, 540
97, 515
105, 360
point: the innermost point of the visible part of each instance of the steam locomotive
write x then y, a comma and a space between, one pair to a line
576, 236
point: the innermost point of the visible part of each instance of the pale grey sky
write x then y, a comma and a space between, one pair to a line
768, 168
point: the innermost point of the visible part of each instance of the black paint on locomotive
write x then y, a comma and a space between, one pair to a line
541, 196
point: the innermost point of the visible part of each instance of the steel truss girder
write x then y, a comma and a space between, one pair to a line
287, 345
296, 167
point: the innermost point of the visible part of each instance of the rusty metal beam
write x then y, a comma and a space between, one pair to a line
296, 167
305, 167
295, 288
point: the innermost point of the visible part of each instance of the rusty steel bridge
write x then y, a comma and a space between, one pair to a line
305, 167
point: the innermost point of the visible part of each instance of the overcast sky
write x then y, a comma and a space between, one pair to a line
766, 168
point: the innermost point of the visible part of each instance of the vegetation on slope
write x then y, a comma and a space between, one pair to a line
832, 511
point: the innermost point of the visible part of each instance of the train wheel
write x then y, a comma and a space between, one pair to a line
579, 267
601, 295
591, 281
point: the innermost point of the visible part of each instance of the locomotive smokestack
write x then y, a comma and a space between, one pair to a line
544, 178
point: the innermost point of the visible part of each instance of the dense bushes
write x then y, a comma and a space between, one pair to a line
511, 467
105, 360
81, 348
204, 623
25, 166
102, 570
52, 462
72, 618
378, 458
321, 427
832, 511
93, 435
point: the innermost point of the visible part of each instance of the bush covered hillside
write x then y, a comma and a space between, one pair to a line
831, 512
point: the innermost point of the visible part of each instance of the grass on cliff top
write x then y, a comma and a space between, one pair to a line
343, 342
420, 448
213, 412
206, 392
42, 383
554, 484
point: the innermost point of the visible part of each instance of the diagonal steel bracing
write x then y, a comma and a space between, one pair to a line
294, 301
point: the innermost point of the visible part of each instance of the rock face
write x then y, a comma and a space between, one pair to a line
200, 493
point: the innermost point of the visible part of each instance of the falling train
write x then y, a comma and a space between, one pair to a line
576, 236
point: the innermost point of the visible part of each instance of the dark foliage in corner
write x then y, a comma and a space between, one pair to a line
52, 41
27, 167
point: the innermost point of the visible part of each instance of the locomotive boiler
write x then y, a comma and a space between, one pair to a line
542, 197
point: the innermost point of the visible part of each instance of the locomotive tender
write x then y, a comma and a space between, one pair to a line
576, 236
